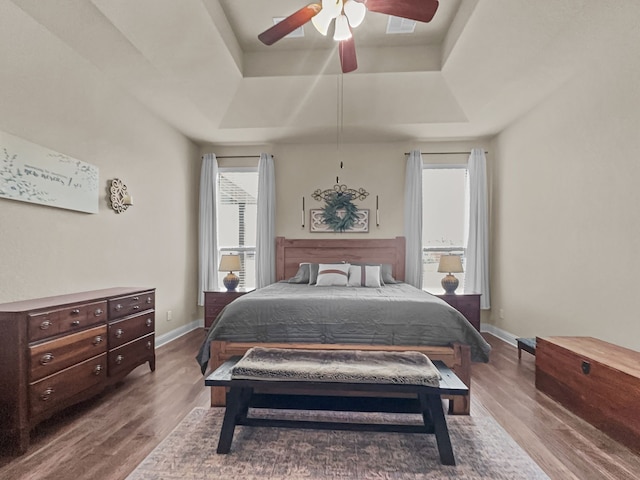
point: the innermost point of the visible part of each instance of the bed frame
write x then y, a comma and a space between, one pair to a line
291, 252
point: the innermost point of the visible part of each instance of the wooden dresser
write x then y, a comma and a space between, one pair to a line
596, 380
57, 351
216, 300
468, 304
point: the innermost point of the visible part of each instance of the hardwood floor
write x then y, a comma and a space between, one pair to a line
105, 438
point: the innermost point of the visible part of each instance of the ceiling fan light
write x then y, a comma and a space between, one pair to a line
355, 12
322, 21
343, 32
333, 8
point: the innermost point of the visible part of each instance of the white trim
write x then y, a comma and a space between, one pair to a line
503, 335
178, 332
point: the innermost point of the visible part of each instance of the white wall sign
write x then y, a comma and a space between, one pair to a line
31, 173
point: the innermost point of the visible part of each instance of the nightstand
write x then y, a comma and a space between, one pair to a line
216, 300
468, 304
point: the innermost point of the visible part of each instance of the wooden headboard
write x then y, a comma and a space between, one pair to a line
291, 252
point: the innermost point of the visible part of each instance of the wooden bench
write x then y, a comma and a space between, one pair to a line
426, 400
526, 344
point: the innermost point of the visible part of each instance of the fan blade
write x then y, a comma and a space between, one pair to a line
289, 24
418, 10
348, 60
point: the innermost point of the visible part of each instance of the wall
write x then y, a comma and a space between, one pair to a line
52, 97
566, 223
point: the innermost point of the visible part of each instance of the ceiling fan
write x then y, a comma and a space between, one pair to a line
348, 14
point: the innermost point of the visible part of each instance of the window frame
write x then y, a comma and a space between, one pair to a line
245, 249
453, 249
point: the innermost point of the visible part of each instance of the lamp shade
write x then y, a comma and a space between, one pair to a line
450, 264
229, 263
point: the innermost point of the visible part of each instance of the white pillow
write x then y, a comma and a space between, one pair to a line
332, 274
364, 276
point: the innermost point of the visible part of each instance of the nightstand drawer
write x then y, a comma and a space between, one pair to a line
468, 304
216, 300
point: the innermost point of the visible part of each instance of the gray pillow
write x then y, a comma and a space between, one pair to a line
386, 270
302, 275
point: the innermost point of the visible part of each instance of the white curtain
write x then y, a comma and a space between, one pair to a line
207, 231
413, 219
477, 275
266, 230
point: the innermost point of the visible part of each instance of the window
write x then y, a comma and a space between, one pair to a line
444, 220
237, 220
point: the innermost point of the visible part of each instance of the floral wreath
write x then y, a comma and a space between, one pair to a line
340, 202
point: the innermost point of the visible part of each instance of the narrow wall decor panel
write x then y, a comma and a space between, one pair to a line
35, 174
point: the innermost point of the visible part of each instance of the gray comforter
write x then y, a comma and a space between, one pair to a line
397, 314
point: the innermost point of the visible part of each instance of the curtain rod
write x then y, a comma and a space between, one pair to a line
239, 156
443, 153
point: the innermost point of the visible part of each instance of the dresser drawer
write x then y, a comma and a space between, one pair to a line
130, 355
82, 316
77, 317
43, 325
130, 304
52, 356
130, 328
49, 392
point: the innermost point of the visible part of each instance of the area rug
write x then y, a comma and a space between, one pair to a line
483, 450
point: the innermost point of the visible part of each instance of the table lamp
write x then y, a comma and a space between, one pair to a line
450, 264
229, 263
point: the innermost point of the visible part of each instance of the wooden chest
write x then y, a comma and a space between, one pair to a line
596, 380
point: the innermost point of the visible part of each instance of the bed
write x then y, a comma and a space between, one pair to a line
393, 317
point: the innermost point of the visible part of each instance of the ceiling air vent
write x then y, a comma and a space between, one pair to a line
297, 33
400, 25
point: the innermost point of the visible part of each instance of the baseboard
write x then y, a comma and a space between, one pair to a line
178, 332
501, 334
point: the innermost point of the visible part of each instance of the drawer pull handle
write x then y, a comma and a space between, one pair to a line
75, 311
97, 340
119, 359
45, 325
75, 323
46, 358
148, 299
149, 322
586, 367
149, 345
46, 395
135, 299
119, 333
97, 370
98, 312
137, 307
118, 307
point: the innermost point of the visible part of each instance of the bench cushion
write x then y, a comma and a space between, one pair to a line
348, 366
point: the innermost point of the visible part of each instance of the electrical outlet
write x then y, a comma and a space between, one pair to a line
169, 315
502, 313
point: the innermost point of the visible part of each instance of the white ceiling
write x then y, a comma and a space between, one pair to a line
198, 65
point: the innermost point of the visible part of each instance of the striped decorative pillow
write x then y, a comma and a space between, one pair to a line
364, 276
332, 274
